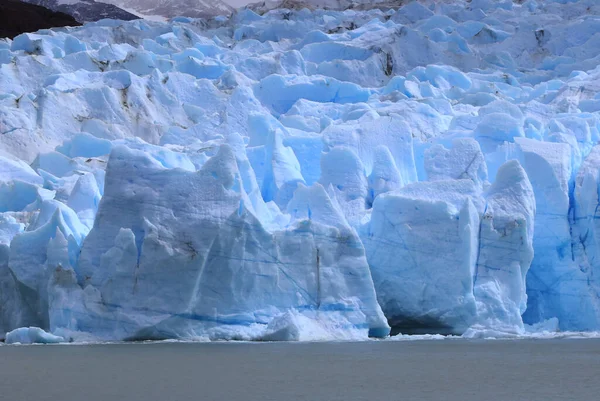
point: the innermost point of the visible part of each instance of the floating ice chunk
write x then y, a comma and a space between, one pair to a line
32, 335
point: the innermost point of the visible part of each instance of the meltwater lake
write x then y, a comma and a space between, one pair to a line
451, 369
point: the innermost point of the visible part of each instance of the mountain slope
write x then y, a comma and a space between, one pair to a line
17, 17
175, 8
86, 10
267, 5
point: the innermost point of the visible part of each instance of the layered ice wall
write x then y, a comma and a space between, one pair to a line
303, 175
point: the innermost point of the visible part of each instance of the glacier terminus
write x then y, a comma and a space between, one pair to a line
303, 174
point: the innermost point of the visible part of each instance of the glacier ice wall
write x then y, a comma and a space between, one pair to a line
303, 175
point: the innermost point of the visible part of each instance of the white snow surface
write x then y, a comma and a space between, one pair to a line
304, 175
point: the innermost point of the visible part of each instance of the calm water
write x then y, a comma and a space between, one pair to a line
385, 370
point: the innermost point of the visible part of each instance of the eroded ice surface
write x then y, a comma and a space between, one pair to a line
304, 175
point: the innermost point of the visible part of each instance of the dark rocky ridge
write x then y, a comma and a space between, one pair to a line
86, 10
17, 17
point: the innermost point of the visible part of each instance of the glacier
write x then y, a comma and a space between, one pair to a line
303, 174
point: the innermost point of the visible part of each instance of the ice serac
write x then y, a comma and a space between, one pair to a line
464, 160
176, 253
446, 256
13, 308
555, 283
586, 294
420, 289
505, 250
51, 241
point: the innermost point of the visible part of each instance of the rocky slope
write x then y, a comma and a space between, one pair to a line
17, 17
176, 8
86, 10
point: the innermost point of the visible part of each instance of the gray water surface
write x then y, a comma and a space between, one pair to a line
374, 370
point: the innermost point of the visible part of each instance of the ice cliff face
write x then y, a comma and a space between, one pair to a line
303, 174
